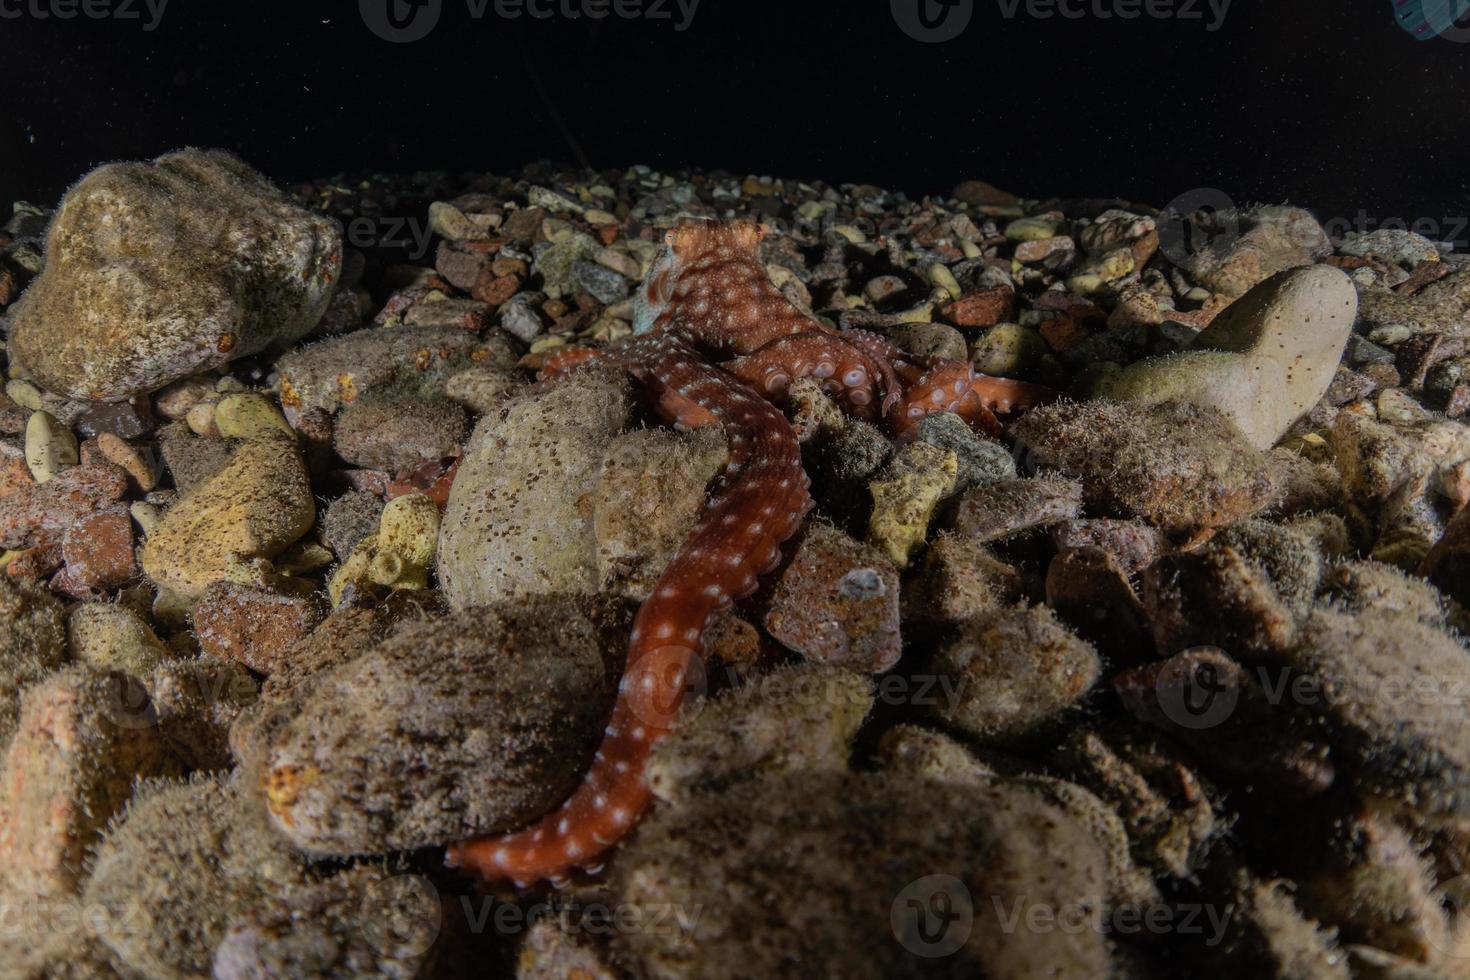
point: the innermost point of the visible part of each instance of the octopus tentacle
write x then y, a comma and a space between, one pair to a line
949, 387
759, 504
845, 372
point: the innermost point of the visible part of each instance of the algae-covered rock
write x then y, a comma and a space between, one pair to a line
650, 491
1175, 465
32, 643
1012, 672
222, 860
829, 873
113, 637
456, 727
159, 270
905, 496
519, 519
795, 719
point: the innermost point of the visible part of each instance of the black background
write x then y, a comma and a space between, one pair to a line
1325, 103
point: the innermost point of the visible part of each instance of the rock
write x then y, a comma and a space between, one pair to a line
605, 285
1008, 350
39, 513
1013, 672
1268, 936
98, 552
1007, 508
251, 510
189, 458
243, 415
482, 389
366, 921
836, 602
552, 952
1400, 247
50, 446
1174, 465
980, 460
1244, 248
1133, 545
961, 579
397, 435
650, 491
457, 727
433, 311
1237, 730
977, 193
113, 637
905, 496
160, 270
1448, 563
32, 644
934, 340
252, 626
406, 361
349, 520
1214, 596
799, 719
222, 860
516, 523
82, 738
1263, 362
853, 850
1364, 586
982, 308
1390, 691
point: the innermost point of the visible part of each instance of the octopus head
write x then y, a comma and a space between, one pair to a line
684, 245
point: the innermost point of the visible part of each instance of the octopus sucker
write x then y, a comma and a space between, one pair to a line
716, 343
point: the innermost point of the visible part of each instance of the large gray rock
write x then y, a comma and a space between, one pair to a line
156, 271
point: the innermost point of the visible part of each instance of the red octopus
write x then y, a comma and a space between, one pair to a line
717, 344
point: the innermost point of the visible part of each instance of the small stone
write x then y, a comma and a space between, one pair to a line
1008, 350
1006, 508
32, 643
905, 496
1040, 250
836, 602
39, 513
400, 434
50, 446
977, 193
98, 552
606, 285
1032, 229
142, 471
1012, 672
251, 626
983, 308
252, 509
961, 580
1388, 688
1395, 245
980, 461
113, 637
349, 519
247, 416
1244, 248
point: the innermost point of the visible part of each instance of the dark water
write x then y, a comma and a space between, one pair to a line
1327, 103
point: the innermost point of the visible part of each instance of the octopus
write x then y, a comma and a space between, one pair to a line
716, 344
